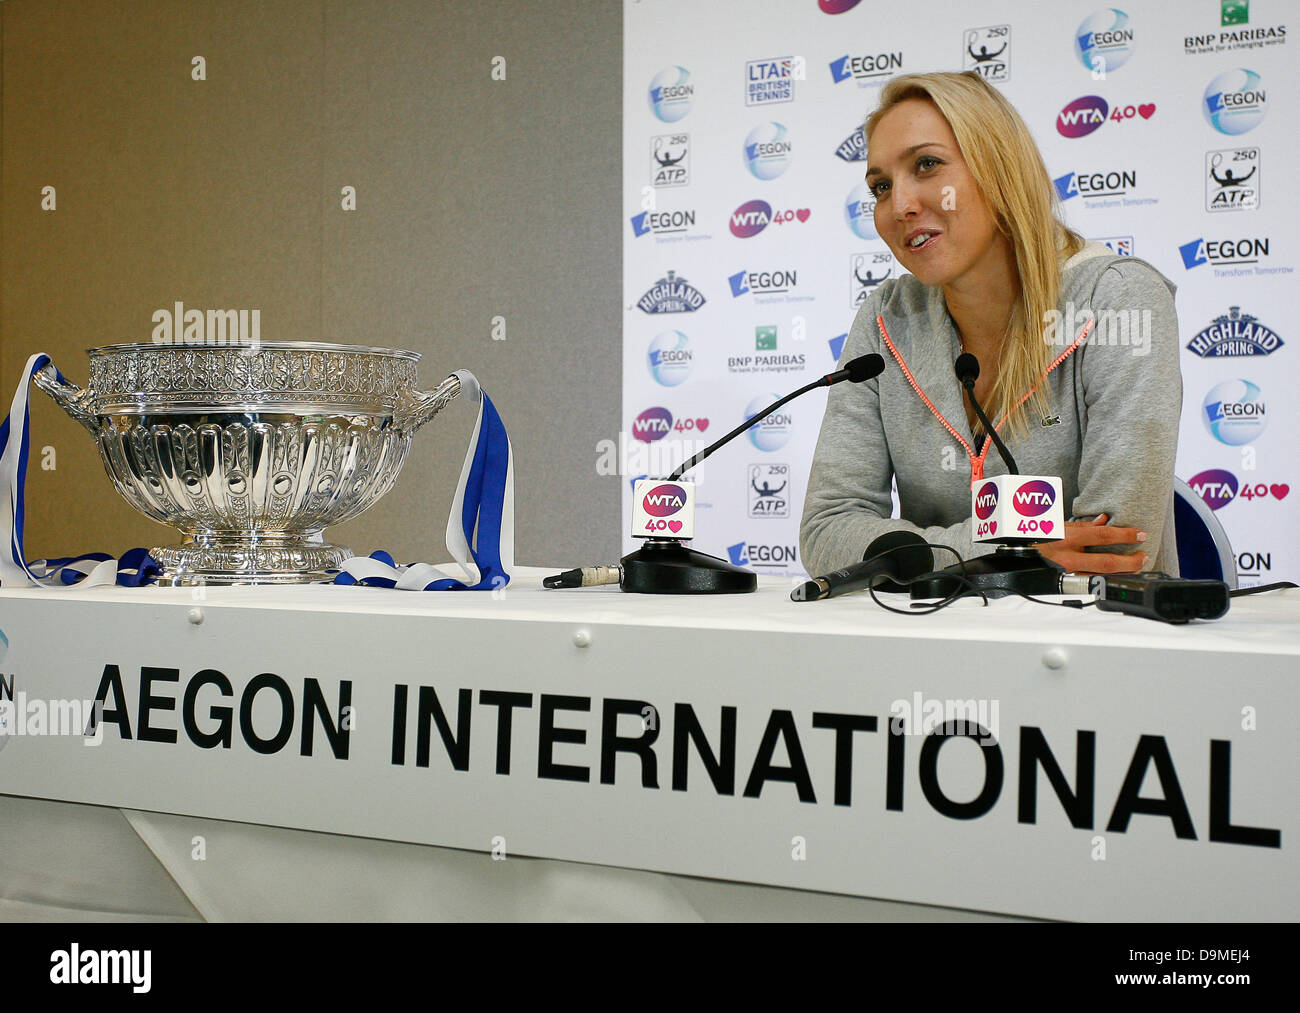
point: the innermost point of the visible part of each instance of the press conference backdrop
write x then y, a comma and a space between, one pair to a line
1168, 131
439, 175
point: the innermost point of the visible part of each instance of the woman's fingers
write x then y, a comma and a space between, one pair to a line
1091, 534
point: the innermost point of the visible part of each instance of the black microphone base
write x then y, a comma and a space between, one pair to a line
1010, 570
663, 566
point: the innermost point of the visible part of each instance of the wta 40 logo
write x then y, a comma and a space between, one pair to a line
1219, 488
662, 503
754, 216
1090, 112
656, 423
1029, 501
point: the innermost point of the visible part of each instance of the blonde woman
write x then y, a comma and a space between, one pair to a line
1078, 350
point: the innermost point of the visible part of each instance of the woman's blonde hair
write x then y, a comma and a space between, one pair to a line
1013, 180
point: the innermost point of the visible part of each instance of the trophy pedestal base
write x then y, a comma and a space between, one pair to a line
243, 557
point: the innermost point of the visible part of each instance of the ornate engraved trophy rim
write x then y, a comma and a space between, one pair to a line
254, 347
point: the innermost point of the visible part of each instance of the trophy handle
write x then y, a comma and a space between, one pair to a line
415, 408
68, 396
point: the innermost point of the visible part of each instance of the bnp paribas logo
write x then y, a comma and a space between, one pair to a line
1234, 12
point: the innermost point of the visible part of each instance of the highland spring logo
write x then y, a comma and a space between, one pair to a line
853, 148
671, 294
1234, 333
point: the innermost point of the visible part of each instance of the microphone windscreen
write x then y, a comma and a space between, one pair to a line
864, 367
968, 368
908, 557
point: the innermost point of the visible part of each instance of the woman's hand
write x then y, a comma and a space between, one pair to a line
1069, 551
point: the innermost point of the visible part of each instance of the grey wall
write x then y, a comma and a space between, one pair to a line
476, 198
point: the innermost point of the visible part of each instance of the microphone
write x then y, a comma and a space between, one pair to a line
864, 367
894, 556
663, 513
968, 371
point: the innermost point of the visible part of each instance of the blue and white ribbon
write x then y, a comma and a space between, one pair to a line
480, 530
481, 527
94, 570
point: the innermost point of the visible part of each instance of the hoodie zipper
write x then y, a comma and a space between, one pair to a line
976, 460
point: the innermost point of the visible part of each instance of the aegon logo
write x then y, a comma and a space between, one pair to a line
1217, 487
671, 94
1223, 252
1082, 116
762, 282
1033, 498
664, 500
865, 68
1104, 41
652, 424
1235, 412
986, 501
662, 223
1235, 101
1113, 183
749, 554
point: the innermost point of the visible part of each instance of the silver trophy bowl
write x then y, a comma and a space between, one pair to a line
250, 450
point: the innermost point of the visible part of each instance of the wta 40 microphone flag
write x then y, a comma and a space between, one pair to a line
479, 536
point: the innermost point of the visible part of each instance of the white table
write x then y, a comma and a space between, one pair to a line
922, 824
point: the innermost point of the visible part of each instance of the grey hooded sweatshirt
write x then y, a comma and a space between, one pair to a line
1111, 431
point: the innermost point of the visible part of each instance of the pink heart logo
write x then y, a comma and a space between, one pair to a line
1046, 527
1147, 111
701, 424
674, 526
993, 527
803, 214
1279, 491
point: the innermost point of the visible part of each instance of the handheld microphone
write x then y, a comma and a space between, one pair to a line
968, 371
894, 556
